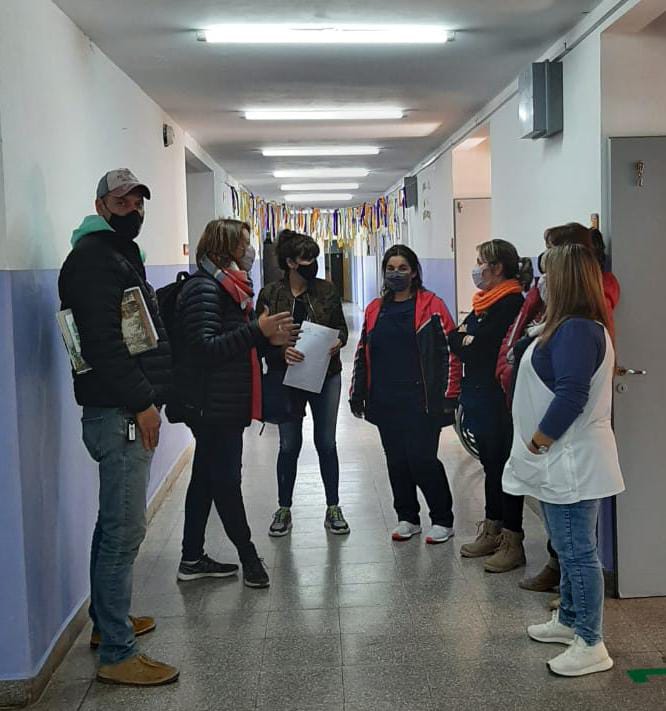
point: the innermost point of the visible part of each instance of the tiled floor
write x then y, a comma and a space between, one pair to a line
356, 623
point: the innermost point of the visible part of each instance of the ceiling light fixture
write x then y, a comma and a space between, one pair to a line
318, 197
357, 113
302, 151
322, 173
325, 34
299, 187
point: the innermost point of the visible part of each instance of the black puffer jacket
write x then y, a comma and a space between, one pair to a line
213, 377
92, 281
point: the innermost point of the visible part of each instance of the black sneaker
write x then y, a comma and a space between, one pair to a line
335, 521
254, 574
281, 522
205, 567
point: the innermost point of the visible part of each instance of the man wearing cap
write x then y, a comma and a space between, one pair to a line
121, 398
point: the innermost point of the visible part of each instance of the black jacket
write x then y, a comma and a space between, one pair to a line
324, 307
213, 375
489, 330
100, 267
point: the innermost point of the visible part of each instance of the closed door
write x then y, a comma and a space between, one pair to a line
472, 226
638, 233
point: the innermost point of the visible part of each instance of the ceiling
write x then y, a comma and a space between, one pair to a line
204, 87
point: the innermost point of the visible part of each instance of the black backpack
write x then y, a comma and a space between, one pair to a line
167, 298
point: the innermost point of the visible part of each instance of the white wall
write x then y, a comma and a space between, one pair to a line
200, 206
536, 184
431, 223
634, 88
471, 172
68, 116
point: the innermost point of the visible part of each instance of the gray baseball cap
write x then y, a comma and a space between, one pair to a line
120, 182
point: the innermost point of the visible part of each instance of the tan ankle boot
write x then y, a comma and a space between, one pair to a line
137, 671
509, 555
545, 580
487, 540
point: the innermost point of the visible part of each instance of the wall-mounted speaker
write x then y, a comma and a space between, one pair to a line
411, 186
540, 107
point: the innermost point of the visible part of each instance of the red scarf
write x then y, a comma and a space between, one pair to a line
239, 286
483, 300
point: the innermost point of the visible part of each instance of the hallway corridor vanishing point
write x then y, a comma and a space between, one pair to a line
358, 622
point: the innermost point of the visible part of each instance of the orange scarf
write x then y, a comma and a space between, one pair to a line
483, 300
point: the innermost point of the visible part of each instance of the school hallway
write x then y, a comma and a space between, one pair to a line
358, 622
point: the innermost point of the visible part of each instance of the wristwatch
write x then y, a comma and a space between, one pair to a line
541, 448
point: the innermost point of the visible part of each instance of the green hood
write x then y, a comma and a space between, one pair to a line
91, 223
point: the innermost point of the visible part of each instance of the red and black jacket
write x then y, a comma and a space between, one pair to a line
442, 370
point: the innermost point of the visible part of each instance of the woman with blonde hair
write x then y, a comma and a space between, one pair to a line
564, 452
218, 385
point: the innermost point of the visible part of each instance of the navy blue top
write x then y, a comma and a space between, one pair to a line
566, 365
396, 388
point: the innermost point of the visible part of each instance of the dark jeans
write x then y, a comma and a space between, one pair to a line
494, 449
411, 456
324, 407
124, 470
216, 477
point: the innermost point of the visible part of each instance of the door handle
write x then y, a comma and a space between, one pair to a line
629, 371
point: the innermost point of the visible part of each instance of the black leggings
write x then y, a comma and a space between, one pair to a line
216, 477
494, 449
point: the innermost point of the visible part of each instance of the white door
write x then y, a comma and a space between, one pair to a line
638, 234
472, 226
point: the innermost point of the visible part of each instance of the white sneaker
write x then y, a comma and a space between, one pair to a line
405, 530
581, 658
438, 534
552, 632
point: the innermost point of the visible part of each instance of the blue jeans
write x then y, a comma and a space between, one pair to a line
124, 471
324, 407
573, 533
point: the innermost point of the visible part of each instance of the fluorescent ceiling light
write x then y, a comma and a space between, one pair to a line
301, 151
322, 173
318, 197
298, 187
470, 143
286, 33
359, 113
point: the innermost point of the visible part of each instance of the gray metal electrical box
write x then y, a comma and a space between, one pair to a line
540, 108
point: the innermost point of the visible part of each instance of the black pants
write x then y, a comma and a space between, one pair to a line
494, 449
411, 456
216, 477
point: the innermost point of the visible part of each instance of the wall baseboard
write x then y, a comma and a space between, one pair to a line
21, 692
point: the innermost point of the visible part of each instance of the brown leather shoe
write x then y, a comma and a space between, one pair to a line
142, 625
138, 671
546, 580
487, 540
509, 555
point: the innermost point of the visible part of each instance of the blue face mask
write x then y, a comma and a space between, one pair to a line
477, 278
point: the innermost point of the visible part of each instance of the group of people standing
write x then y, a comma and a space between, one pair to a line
532, 373
536, 391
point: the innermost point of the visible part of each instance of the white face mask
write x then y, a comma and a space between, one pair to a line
543, 289
247, 260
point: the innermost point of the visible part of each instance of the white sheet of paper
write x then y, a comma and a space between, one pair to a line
315, 344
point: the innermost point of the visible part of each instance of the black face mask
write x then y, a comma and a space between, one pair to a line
308, 271
127, 226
